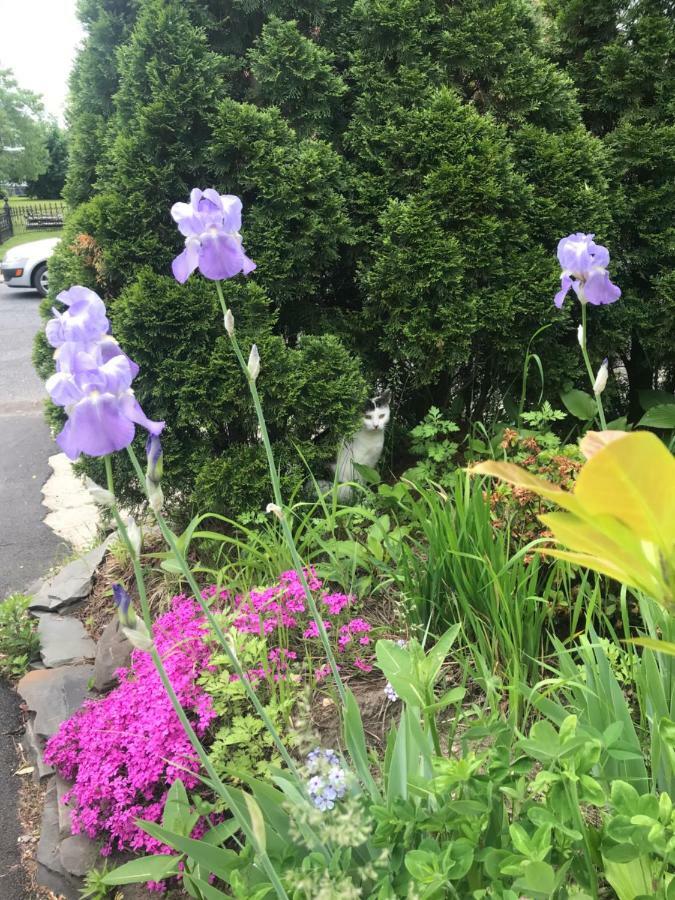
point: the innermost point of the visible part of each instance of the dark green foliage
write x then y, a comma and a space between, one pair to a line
407, 169
93, 82
49, 185
297, 75
158, 138
190, 378
298, 226
622, 57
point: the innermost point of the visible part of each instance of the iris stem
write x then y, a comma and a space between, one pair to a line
218, 784
589, 369
169, 537
276, 489
124, 534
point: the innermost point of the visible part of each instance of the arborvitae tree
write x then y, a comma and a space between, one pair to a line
628, 96
158, 138
297, 75
93, 83
407, 169
462, 215
49, 185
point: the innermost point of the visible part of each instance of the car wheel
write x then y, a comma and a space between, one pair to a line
41, 280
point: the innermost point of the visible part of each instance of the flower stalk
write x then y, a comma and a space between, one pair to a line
169, 537
279, 503
589, 368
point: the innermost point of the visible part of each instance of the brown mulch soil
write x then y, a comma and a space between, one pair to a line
99, 608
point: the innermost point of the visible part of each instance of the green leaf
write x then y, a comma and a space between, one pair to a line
454, 695
437, 655
208, 891
355, 740
177, 814
538, 879
257, 823
649, 399
580, 404
662, 416
148, 868
369, 475
397, 773
217, 860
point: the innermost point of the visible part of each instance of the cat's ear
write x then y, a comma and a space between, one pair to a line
385, 398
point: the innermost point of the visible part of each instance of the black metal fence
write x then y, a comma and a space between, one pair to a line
6, 227
38, 215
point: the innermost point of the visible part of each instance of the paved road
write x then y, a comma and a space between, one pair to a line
27, 547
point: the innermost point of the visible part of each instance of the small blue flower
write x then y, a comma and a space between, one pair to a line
390, 693
328, 781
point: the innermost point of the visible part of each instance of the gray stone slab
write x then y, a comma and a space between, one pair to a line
33, 747
50, 841
64, 809
113, 652
71, 584
63, 641
78, 854
54, 695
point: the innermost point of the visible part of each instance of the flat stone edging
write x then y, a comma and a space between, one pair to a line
72, 665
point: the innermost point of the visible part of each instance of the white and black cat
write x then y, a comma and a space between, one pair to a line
365, 447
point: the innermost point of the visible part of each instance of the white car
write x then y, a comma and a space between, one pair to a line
25, 265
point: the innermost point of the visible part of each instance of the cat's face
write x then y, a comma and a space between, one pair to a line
377, 412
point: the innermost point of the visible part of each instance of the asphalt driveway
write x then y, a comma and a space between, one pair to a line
28, 548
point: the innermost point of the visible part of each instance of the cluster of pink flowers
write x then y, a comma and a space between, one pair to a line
277, 607
125, 750
281, 609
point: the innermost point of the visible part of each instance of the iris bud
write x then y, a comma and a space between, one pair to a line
229, 322
125, 610
254, 363
601, 378
154, 471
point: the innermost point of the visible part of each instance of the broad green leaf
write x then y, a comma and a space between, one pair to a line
395, 663
630, 880
208, 891
648, 399
178, 815
369, 475
397, 774
148, 868
580, 404
538, 879
454, 695
217, 860
438, 653
257, 823
662, 416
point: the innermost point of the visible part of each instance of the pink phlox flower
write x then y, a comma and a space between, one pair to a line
361, 664
312, 631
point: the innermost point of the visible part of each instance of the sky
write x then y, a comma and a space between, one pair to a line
39, 39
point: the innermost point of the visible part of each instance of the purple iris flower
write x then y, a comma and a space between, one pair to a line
92, 380
122, 601
584, 268
101, 406
84, 320
74, 356
210, 223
